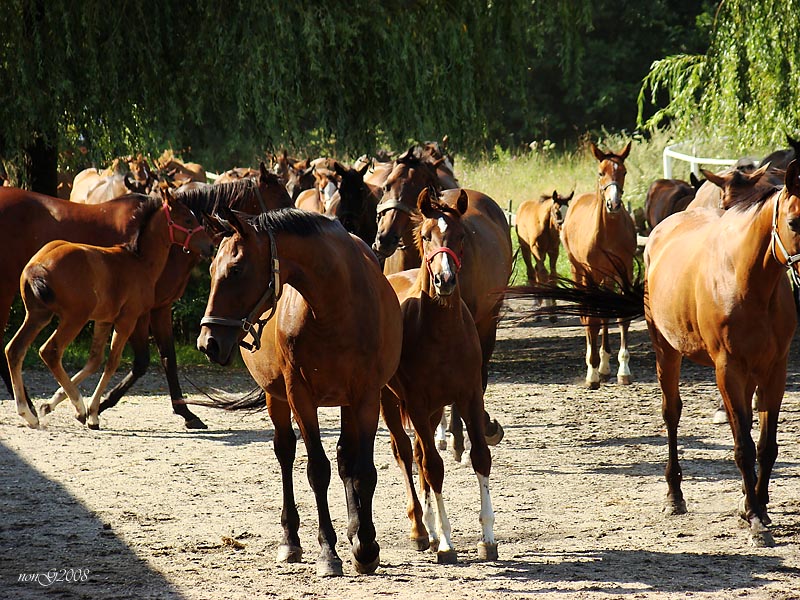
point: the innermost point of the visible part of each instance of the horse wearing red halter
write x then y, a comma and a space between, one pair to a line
440, 365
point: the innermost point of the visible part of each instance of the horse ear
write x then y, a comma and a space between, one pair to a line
717, 180
597, 153
339, 169
463, 202
694, 180
424, 201
626, 150
555, 196
263, 173
571, 194
363, 170
792, 179
758, 173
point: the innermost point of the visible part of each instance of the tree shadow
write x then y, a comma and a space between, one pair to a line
46, 531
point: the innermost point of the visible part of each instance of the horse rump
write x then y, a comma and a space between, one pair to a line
36, 281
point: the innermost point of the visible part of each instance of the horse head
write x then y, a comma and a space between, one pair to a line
185, 229
611, 176
240, 291
559, 208
737, 184
408, 178
356, 209
440, 239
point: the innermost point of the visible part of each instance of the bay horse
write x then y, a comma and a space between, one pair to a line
331, 336
358, 201
440, 364
668, 196
538, 228
599, 237
29, 220
114, 285
716, 292
487, 257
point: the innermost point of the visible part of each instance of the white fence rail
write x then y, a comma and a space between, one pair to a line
679, 152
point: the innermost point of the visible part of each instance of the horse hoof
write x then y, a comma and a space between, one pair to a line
624, 379
604, 377
675, 508
760, 537
720, 417
289, 554
593, 385
553, 319
329, 568
81, 419
537, 319
487, 551
494, 438
94, 426
456, 454
45, 409
447, 557
367, 568
195, 423
421, 543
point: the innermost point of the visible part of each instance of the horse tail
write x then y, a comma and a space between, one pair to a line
624, 299
254, 401
36, 281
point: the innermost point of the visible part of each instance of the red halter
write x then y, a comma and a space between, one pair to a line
173, 226
443, 250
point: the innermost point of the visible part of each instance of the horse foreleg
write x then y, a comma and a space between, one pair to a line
403, 454
432, 472
319, 477
604, 347
15, 355
96, 354
141, 359
356, 467
769, 397
592, 356
624, 357
118, 340
52, 352
482, 465
737, 390
161, 326
284, 443
552, 276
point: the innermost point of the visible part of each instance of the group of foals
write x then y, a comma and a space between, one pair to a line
423, 265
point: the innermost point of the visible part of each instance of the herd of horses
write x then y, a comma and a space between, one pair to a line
424, 267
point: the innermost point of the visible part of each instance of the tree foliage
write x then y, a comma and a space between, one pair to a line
236, 78
743, 87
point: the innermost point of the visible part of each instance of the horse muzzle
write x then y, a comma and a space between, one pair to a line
217, 348
385, 246
444, 287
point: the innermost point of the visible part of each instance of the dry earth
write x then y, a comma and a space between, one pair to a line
145, 509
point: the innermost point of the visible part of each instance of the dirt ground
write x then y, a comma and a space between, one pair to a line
146, 509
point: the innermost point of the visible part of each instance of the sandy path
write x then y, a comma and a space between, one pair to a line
143, 508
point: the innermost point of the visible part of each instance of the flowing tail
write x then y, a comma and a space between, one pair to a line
624, 299
254, 401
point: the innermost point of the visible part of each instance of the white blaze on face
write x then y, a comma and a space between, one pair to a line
442, 225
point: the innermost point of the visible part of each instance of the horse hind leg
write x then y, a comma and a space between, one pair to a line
592, 354
52, 352
35, 321
604, 370
668, 364
100, 336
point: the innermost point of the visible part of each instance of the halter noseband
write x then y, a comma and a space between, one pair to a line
443, 250
393, 205
173, 226
776, 242
250, 324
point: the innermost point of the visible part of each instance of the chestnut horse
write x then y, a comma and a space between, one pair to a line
29, 220
716, 292
600, 240
487, 257
358, 201
79, 283
440, 364
538, 227
334, 341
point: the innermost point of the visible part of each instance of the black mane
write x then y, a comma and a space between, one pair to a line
208, 199
294, 221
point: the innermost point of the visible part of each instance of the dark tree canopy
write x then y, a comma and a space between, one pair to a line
232, 79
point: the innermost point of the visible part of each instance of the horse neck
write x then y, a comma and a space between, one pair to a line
154, 244
753, 252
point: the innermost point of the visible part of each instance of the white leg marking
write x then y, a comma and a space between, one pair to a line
443, 526
605, 362
429, 519
624, 363
441, 433
592, 375
487, 511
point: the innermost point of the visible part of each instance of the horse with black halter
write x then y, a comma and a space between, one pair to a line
321, 332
